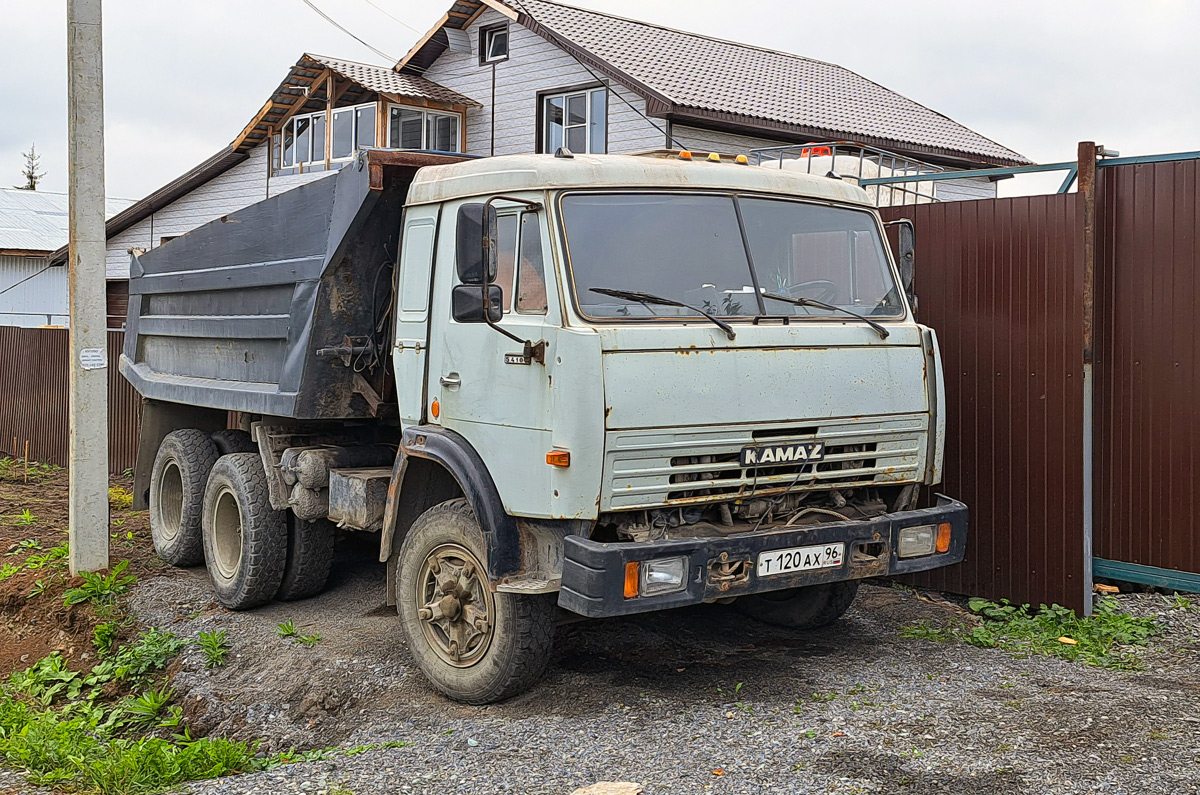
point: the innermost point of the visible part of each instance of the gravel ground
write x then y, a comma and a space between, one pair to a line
694, 700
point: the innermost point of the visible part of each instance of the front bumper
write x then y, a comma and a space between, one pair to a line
593, 574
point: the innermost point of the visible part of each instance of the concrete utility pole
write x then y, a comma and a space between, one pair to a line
88, 463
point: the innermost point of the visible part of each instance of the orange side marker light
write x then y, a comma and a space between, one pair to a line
631, 579
558, 458
943, 537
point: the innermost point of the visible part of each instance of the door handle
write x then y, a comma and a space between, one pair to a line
452, 381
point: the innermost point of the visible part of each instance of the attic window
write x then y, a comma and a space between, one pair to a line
419, 128
493, 44
304, 139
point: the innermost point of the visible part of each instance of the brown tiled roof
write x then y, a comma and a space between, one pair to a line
305, 84
723, 84
385, 80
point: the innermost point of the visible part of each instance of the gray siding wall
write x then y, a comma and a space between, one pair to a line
702, 140
242, 185
956, 190
534, 65
40, 301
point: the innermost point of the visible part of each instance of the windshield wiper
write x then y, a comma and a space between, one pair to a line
883, 332
647, 298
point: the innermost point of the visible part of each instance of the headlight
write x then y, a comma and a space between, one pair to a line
916, 541
662, 576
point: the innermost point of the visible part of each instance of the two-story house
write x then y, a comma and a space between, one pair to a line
498, 77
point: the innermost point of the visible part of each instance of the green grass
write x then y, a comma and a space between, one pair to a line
24, 518
1109, 638
56, 726
13, 469
288, 630
101, 589
215, 646
120, 498
24, 547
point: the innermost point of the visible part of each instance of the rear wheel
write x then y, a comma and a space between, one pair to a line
245, 539
800, 608
233, 440
475, 646
309, 558
177, 482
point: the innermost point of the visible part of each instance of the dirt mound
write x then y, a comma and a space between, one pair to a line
34, 574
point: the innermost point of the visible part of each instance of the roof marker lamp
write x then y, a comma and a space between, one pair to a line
742, 160
685, 154
714, 157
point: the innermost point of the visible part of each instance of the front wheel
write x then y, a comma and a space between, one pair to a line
475, 646
800, 608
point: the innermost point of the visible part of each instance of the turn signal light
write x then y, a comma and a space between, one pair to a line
943, 537
685, 155
435, 409
558, 458
631, 579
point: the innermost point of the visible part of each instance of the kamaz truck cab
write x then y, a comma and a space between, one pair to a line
577, 385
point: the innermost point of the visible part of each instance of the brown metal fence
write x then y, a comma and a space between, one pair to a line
1148, 365
1000, 281
34, 402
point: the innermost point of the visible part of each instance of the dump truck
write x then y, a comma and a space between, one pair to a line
554, 386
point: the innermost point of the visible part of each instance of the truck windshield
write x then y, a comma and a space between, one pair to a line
691, 248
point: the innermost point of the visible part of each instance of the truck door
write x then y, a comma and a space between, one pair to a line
412, 310
484, 390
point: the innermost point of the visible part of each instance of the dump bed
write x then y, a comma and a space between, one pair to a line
278, 308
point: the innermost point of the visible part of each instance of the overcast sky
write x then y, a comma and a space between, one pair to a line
183, 77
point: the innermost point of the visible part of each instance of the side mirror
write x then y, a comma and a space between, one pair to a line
466, 303
475, 250
906, 249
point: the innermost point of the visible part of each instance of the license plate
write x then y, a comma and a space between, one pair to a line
783, 561
770, 454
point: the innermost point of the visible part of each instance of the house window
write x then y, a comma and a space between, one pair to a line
577, 120
418, 128
493, 44
304, 136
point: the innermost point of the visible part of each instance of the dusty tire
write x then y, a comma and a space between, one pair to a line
309, 558
245, 539
232, 440
494, 664
177, 482
800, 608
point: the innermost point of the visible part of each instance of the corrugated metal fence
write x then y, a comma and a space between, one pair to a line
34, 408
1000, 282
1004, 283
1148, 371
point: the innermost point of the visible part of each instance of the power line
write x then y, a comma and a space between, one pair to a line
345, 30
385, 12
597, 78
27, 278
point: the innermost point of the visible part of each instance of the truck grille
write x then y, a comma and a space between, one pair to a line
649, 468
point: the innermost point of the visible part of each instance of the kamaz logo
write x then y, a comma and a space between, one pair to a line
801, 453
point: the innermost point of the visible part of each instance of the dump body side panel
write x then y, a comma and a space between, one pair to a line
233, 314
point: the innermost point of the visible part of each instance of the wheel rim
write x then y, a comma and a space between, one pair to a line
169, 500
227, 532
454, 606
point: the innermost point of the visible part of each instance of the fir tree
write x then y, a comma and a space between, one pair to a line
32, 172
